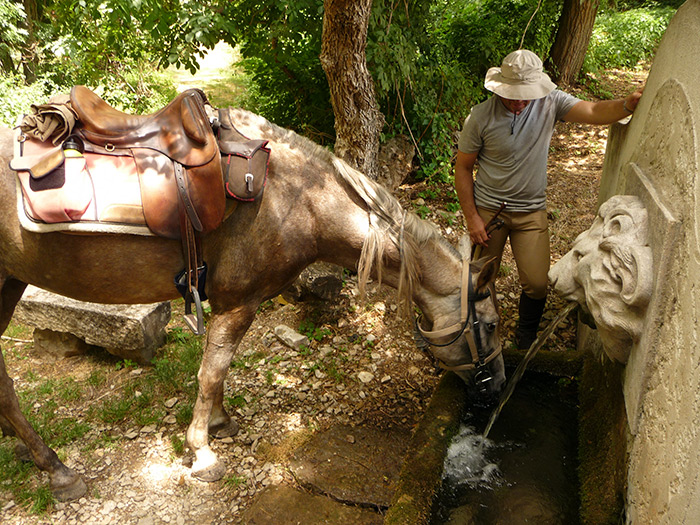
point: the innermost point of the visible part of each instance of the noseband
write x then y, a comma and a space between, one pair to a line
468, 300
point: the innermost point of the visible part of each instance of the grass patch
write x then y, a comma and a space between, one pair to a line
117, 393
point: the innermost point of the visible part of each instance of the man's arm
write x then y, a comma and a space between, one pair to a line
464, 184
605, 111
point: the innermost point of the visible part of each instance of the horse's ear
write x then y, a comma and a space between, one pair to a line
465, 247
487, 274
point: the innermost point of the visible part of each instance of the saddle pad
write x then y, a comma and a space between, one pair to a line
90, 193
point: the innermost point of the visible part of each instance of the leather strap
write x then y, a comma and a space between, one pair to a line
184, 196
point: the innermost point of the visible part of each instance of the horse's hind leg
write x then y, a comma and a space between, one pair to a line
65, 483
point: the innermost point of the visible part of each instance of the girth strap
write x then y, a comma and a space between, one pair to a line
190, 227
185, 197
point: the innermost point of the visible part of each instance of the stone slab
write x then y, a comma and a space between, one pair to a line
355, 465
283, 505
129, 331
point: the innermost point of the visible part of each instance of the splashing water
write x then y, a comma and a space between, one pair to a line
466, 461
534, 347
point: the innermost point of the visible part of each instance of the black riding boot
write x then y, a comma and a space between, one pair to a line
530, 311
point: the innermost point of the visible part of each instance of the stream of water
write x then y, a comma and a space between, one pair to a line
520, 370
525, 473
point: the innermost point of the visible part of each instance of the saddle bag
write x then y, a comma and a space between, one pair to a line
244, 162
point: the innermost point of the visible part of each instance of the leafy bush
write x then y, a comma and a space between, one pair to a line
16, 98
138, 92
480, 33
622, 40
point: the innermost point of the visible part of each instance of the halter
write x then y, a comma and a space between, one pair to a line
468, 300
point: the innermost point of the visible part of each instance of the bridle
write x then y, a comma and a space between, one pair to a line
468, 326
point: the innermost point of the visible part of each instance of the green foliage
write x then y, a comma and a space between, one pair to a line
40, 499
178, 444
16, 98
622, 40
280, 43
480, 33
314, 333
12, 34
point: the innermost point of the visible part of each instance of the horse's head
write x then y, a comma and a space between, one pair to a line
467, 341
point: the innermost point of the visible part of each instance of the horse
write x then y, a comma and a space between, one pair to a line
315, 207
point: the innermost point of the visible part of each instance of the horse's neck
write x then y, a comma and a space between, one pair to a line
438, 291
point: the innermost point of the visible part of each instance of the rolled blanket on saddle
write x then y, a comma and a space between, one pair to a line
53, 121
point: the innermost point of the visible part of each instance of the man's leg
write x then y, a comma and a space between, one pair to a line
529, 240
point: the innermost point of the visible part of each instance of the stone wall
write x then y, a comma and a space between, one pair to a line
655, 157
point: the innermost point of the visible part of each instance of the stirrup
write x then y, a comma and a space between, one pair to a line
194, 321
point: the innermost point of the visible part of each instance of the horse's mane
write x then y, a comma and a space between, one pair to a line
389, 222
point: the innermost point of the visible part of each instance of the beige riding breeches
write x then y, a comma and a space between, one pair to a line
529, 240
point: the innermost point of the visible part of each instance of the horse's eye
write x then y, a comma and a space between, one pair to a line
491, 327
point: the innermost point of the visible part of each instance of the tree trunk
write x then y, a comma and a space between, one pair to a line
574, 33
358, 121
29, 58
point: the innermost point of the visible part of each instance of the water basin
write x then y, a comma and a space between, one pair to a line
525, 471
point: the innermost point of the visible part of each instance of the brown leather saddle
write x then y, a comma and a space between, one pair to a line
179, 168
176, 156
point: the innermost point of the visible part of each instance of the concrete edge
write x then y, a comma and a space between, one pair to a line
421, 474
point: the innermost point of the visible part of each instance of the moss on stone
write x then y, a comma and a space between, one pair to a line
602, 442
421, 474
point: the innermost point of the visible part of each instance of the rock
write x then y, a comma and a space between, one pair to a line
290, 337
395, 161
58, 344
128, 331
321, 280
365, 377
361, 471
275, 502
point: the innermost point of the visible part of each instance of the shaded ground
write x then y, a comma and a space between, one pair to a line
282, 397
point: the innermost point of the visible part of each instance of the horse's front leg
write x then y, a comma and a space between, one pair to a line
225, 332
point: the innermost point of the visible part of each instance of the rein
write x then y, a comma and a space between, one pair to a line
468, 301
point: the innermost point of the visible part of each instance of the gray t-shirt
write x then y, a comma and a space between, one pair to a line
512, 161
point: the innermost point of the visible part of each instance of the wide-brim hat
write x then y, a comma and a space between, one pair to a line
520, 77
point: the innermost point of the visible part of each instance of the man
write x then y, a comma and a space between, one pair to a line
508, 136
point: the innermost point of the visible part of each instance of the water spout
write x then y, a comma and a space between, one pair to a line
534, 347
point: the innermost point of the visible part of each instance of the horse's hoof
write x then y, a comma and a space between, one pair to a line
70, 491
213, 472
224, 430
207, 467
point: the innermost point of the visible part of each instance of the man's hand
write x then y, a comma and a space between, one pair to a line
632, 100
477, 230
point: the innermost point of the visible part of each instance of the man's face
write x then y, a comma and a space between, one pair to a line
514, 106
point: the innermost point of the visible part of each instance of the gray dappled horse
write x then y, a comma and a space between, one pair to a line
315, 207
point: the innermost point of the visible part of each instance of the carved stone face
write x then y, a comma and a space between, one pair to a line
609, 273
